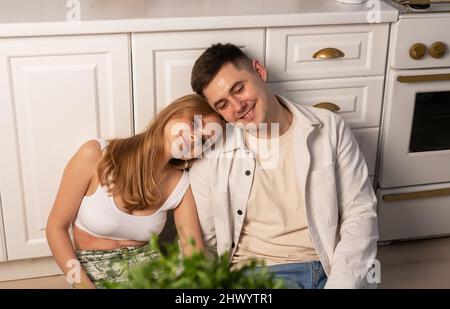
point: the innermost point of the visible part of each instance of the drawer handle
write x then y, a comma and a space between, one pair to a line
328, 53
416, 195
328, 105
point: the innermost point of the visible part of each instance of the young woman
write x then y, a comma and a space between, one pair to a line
116, 194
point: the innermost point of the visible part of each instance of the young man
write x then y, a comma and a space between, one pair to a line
311, 216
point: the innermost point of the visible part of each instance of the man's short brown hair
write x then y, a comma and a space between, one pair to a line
211, 61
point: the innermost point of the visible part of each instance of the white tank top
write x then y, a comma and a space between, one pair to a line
99, 216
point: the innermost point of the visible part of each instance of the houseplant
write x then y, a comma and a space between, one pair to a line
171, 271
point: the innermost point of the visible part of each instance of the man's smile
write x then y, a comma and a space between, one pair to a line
249, 114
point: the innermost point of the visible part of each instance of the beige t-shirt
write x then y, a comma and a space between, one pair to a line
275, 227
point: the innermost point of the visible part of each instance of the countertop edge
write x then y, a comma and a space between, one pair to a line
190, 23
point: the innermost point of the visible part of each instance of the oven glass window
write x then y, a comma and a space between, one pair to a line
431, 122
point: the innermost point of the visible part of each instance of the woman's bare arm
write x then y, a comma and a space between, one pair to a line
75, 181
188, 227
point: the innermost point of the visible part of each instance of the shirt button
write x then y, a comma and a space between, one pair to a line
239, 212
247, 172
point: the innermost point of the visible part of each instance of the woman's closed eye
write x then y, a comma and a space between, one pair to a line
195, 124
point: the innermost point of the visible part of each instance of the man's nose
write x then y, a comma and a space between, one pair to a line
238, 105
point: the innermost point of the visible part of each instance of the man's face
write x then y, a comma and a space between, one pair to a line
240, 96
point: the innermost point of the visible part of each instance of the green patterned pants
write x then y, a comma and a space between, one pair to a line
113, 265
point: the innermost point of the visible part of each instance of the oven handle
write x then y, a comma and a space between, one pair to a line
416, 195
423, 78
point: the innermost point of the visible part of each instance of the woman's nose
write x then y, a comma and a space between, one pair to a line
196, 138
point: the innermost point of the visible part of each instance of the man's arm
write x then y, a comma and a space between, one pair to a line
200, 185
358, 218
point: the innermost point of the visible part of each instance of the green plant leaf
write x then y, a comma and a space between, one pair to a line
172, 271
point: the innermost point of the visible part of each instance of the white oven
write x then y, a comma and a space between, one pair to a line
415, 147
413, 180
414, 170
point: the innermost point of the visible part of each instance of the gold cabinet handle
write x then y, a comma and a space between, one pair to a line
328, 53
416, 195
328, 105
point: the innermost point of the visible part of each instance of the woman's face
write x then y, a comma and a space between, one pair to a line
189, 138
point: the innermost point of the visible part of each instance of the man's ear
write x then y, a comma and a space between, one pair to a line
260, 70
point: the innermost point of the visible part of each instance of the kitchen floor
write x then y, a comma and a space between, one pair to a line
422, 264
409, 264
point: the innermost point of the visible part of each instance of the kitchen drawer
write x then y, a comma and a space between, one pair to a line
359, 99
413, 217
290, 51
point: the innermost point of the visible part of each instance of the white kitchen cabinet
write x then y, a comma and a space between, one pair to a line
303, 53
162, 64
55, 93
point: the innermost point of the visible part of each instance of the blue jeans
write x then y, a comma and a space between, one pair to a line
309, 275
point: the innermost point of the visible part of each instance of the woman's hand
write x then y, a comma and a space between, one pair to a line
188, 227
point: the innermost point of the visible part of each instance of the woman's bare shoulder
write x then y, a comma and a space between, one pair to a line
174, 175
87, 155
171, 180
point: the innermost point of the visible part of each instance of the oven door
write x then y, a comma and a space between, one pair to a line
415, 142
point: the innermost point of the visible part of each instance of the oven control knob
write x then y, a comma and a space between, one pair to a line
417, 51
437, 49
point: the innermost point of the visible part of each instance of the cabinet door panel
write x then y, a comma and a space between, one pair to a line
55, 94
162, 64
